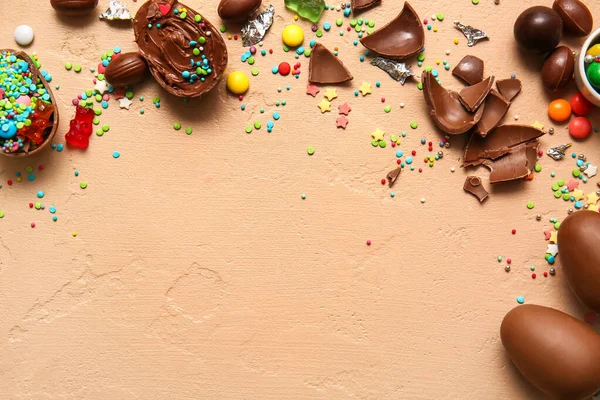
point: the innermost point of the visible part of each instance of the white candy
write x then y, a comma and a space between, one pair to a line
23, 35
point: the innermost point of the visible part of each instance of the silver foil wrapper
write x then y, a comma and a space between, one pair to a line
396, 69
473, 35
116, 11
558, 153
255, 30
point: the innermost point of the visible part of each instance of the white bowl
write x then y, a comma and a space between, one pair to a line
582, 82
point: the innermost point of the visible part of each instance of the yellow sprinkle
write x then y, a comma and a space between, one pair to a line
538, 125
437, 62
295, 18
19, 179
435, 29
74, 234
455, 41
229, 37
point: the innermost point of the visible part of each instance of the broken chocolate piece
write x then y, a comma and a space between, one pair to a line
469, 69
446, 109
393, 175
401, 38
358, 5
509, 88
474, 186
495, 108
499, 142
517, 164
326, 68
472, 96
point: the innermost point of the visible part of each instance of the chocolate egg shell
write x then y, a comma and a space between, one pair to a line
538, 29
578, 239
237, 9
74, 7
558, 68
127, 69
556, 352
577, 18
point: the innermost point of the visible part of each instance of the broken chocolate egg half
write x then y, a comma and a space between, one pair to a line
402, 37
185, 52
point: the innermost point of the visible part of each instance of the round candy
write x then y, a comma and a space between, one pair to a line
559, 110
237, 82
580, 105
538, 29
23, 35
284, 68
292, 35
594, 51
580, 128
593, 74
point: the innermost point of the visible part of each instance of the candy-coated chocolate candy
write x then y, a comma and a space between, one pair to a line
593, 74
580, 105
580, 128
559, 110
594, 51
237, 82
292, 35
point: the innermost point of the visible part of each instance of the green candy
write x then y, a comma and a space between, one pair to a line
593, 74
308, 9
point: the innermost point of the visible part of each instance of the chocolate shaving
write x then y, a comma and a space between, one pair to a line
495, 108
509, 88
393, 175
358, 5
400, 38
469, 69
517, 164
326, 68
499, 142
474, 186
446, 109
472, 96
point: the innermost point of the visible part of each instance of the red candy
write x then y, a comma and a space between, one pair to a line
284, 68
580, 128
580, 105
39, 123
80, 128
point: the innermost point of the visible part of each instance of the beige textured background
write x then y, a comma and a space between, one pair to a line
199, 273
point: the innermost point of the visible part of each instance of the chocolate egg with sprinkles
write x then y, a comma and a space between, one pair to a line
185, 52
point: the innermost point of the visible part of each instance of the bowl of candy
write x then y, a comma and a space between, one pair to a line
587, 68
28, 112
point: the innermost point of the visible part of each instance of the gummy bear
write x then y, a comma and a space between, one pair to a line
309, 9
39, 122
80, 128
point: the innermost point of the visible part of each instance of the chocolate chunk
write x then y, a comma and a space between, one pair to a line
359, 5
74, 8
446, 109
499, 142
401, 38
558, 68
326, 68
517, 164
538, 29
474, 186
168, 50
237, 10
126, 70
576, 17
472, 96
469, 69
509, 88
495, 108
393, 175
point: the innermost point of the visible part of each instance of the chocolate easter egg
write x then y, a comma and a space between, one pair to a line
538, 29
558, 68
556, 352
577, 18
127, 69
579, 252
74, 8
237, 9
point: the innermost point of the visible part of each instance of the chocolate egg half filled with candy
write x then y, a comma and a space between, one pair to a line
558, 68
556, 352
538, 29
579, 251
185, 53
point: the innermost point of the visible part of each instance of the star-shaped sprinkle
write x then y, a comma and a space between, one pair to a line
552, 249
330, 94
572, 184
378, 135
365, 88
592, 198
554, 237
324, 105
591, 171
312, 89
341, 122
344, 109
592, 207
125, 103
547, 235
578, 194
101, 86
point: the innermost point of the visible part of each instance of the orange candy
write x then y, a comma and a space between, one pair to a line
559, 110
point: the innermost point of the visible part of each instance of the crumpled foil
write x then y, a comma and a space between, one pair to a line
557, 153
396, 69
255, 30
473, 35
116, 11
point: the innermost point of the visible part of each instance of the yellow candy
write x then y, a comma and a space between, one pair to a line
237, 82
594, 50
292, 35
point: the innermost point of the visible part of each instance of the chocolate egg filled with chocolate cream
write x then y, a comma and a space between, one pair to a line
556, 352
579, 252
185, 53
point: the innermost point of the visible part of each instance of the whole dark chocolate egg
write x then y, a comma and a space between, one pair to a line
558, 68
579, 253
538, 29
556, 352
